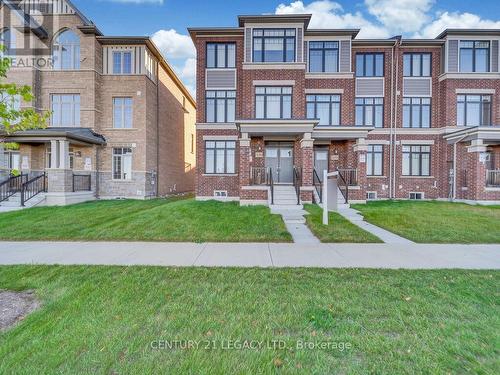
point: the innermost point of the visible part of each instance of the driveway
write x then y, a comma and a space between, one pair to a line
408, 256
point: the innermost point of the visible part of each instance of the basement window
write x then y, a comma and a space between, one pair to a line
416, 195
371, 195
220, 193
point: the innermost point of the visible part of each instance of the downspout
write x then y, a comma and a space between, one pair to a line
97, 181
392, 117
157, 129
398, 42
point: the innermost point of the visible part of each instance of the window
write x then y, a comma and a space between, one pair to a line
369, 64
370, 112
273, 45
220, 157
371, 195
416, 112
473, 110
474, 56
375, 160
416, 160
13, 160
122, 113
326, 108
323, 57
220, 106
8, 40
221, 55
273, 102
66, 51
11, 102
122, 62
65, 110
417, 64
416, 196
122, 163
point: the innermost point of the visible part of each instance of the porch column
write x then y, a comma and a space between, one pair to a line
59, 176
54, 154
64, 154
477, 156
307, 154
360, 148
245, 160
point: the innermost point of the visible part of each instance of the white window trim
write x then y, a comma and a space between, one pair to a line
122, 113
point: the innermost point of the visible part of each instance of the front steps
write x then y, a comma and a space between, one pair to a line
14, 202
285, 198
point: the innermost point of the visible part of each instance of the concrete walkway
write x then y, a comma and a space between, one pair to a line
296, 224
410, 256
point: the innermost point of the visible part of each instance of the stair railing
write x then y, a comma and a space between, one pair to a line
297, 182
11, 186
33, 187
317, 185
271, 184
343, 186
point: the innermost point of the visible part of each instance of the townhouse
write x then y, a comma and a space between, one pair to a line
122, 124
280, 102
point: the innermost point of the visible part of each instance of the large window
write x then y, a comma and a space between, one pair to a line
122, 62
370, 112
323, 57
65, 110
417, 64
66, 51
13, 160
375, 160
8, 40
122, 113
474, 56
416, 112
273, 102
220, 106
369, 64
326, 108
416, 160
221, 55
274, 45
220, 157
122, 163
473, 110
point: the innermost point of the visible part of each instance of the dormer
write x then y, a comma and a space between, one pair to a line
274, 41
471, 53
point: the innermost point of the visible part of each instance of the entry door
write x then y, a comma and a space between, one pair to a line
321, 161
279, 157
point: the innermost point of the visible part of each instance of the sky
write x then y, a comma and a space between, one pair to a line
166, 21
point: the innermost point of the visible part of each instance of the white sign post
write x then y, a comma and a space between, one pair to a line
330, 192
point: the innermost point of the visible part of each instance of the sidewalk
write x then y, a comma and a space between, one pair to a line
409, 256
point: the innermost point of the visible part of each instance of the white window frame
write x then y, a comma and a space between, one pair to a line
124, 102
75, 110
122, 62
71, 47
121, 156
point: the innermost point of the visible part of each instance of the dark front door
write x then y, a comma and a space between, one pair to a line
279, 157
321, 161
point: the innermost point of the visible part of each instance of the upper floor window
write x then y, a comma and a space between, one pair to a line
274, 45
11, 102
370, 112
122, 113
122, 62
417, 64
416, 112
66, 51
369, 64
65, 110
273, 102
326, 108
220, 106
221, 55
474, 56
473, 110
323, 57
8, 40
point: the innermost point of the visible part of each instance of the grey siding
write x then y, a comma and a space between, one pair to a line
220, 79
345, 56
416, 87
46, 7
453, 56
248, 44
299, 45
369, 86
494, 56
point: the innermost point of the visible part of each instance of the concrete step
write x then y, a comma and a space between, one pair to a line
279, 208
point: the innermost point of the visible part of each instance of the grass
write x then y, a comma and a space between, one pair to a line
435, 222
339, 228
172, 219
102, 320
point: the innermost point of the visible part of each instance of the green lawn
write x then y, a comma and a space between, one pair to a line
152, 220
435, 222
102, 320
339, 228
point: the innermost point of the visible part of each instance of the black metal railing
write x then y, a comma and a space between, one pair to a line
493, 178
343, 186
271, 184
350, 176
258, 176
82, 182
297, 182
33, 187
318, 185
12, 186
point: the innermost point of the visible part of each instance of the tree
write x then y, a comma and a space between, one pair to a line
13, 119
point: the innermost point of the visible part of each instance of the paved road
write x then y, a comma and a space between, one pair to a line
410, 256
